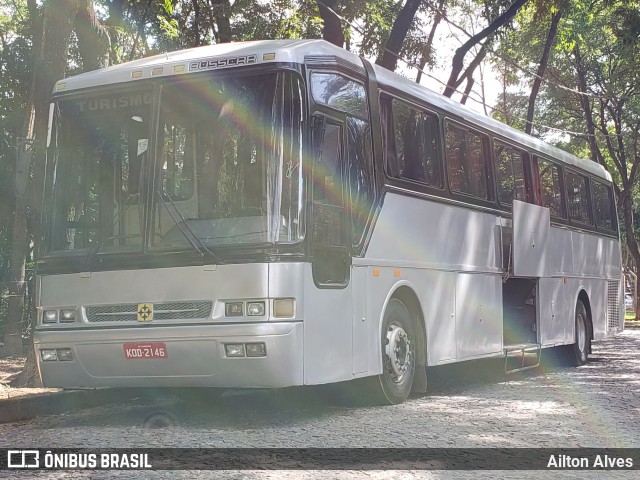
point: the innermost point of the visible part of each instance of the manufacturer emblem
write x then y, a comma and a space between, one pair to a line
145, 312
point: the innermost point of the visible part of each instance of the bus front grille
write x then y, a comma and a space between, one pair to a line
128, 312
613, 309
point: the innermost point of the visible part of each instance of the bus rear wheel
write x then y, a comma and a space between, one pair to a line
578, 352
398, 345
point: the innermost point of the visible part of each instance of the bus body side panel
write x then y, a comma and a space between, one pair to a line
327, 332
436, 300
478, 315
578, 261
560, 252
596, 290
435, 235
362, 326
440, 244
598, 270
553, 311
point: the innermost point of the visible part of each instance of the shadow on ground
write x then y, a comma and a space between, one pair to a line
241, 409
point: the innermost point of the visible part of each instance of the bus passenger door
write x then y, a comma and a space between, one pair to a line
327, 299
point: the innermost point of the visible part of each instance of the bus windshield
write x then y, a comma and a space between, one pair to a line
222, 163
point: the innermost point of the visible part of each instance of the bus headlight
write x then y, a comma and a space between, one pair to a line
233, 309
67, 316
50, 316
64, 354
255, 309
48, 355
234, 349
256, 349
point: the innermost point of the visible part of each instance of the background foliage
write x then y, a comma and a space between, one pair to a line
587, 98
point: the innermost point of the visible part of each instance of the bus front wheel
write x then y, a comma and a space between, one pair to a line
398, 345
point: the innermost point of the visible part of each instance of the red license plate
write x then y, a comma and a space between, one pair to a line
141, 351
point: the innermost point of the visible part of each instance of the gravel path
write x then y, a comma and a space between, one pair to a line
468, 405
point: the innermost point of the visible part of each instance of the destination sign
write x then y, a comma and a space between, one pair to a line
114, 102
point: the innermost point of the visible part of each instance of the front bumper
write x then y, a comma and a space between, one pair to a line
195, 357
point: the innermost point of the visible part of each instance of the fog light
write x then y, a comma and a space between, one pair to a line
283, 307
64, 354
255, 308
48, 355
50, 316
67, 316
234, 349
233, 309
256, 349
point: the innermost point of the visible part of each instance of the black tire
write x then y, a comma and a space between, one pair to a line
578, 352
398, 346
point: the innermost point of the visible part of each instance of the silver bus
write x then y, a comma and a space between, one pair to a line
279, 213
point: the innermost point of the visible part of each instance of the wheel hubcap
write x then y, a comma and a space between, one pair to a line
398, 352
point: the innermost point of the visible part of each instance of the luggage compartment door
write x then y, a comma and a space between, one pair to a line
531, 227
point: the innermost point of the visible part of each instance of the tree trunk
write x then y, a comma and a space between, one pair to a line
458, 58
58, 18
196, 23
581, 73
17, 287
399, 30
13, 327
28, 377
221, 12
93, 38
113, 25
332, 30
625, 201
427, 49
468, 73
467, 90
57, 25
553, 29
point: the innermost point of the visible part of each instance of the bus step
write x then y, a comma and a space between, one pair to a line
518, 358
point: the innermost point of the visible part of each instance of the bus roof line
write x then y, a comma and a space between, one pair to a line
294, 51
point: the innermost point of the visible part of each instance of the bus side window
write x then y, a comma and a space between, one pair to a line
602, 203
416, 145
509, 173
466, 164
340, 93
550, 189
578, 198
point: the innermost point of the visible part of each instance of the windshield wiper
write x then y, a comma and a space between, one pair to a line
88, 258
177, 218
184, 227
104, 236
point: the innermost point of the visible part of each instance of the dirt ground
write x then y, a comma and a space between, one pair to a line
469, 405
